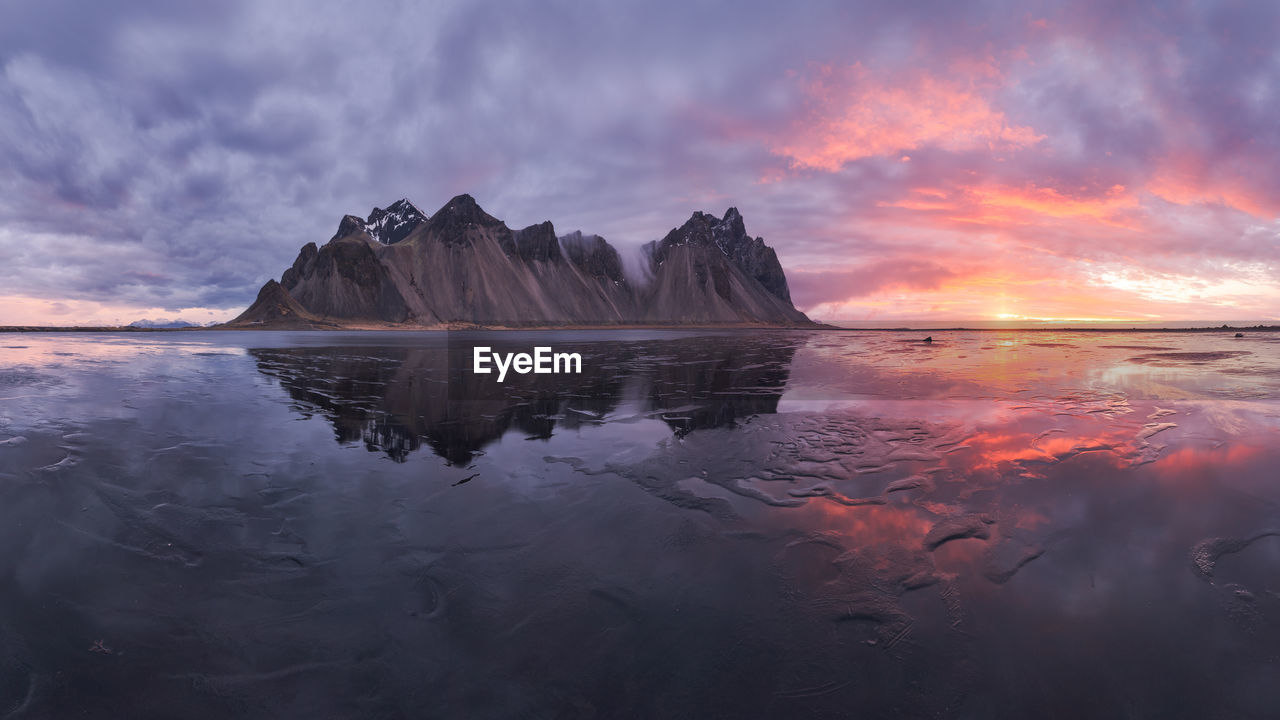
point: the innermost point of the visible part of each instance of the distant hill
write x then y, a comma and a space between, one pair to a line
461, 267
163, 324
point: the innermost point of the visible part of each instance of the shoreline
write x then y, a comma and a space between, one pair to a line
817, 327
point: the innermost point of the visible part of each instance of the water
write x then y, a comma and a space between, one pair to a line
772, 524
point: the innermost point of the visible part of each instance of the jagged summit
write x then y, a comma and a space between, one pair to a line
592, 255
577, 237
538, 242
388, 226
459, 212
400, 219
394, 224
729, 235
463, 267
350, 225
733, 220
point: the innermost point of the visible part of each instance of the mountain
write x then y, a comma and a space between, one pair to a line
710, 271
163, 324
394, 224
461, 267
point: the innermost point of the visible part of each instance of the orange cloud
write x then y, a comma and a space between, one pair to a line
1184, 186
1020, 205
855, 114
1006, 277
1048, 202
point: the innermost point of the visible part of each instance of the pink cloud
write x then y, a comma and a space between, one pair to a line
997, 204
854, 114
813, 288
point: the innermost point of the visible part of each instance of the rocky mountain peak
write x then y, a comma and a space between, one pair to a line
733, 224
459, 213
703, 228
404, 205
538, 242
301, 266
393, 224
592, 255
350, 225
728, 235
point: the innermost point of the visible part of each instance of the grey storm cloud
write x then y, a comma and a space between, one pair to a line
176, 155
183, 152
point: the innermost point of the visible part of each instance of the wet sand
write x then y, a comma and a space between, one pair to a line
763, 524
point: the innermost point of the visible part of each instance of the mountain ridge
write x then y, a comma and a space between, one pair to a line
462, 267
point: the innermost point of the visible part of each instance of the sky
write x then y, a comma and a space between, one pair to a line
909, 161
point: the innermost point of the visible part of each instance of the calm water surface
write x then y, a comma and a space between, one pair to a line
773, 524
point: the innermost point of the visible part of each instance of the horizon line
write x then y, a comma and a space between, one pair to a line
1268, 326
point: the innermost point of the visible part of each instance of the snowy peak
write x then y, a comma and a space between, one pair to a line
394, 224
728, 235
387, 226
164, 323
731, 227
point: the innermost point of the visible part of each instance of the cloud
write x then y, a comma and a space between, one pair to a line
1240, 185
810, 289
1063, 158
1005, 205
853, 113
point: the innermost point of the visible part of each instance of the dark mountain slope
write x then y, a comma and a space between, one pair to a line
465, 266
711, 271
344, 279
276, 308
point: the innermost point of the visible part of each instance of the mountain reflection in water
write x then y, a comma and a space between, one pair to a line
747, 524
393, 399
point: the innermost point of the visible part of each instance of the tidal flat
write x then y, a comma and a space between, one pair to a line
996, 524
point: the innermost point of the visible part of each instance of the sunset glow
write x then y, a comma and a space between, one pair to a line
1041, 163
